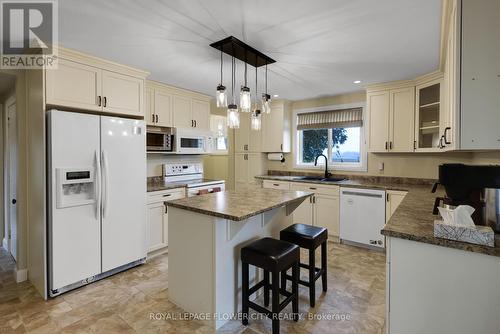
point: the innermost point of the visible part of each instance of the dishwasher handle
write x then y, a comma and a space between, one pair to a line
362, 194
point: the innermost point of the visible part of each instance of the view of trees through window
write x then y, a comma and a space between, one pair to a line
345, 145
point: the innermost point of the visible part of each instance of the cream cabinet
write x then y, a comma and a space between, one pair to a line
391, 120
74, 85
322, 209
149, 106
157, 217
163, 114
393, 199
88, 83
176, 107
429, 124
246, 167
246, 139
276, 128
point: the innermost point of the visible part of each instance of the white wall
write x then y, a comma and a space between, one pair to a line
155, 161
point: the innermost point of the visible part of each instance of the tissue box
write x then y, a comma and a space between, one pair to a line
479, 235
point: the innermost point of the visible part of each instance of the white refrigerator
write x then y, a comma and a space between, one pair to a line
97, 197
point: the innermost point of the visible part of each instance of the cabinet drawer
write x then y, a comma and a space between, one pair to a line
276, 185
316, 188
166, 195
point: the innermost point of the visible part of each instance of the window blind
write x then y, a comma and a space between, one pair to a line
342, 118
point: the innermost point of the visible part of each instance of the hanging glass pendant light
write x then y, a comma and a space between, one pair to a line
221, 94
233, 116
256, 120
245, 97
266, 99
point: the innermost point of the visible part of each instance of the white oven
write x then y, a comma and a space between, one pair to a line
190, 141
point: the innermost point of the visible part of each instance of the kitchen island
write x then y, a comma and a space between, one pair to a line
205, 236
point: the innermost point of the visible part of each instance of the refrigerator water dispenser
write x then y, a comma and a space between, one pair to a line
75, 187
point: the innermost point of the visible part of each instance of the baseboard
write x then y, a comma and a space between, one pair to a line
20, 275
5, 244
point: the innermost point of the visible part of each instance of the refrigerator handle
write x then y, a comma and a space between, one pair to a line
105, 177
97, 187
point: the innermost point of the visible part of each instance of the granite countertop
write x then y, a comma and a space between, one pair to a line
159, 186
239, 205
413, 219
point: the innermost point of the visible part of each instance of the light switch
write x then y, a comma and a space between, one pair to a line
381, 166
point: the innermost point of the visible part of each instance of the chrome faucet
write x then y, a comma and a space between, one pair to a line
327, 175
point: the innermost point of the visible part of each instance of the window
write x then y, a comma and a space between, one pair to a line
338, 134
219, 129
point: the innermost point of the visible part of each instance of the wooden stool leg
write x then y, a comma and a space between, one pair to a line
244, 293
324, 265
275, 307
312, 283
283, 280
266, 288
295, 291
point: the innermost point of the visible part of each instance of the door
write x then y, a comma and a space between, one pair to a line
242, 135
241, 171
122, 94
149, 106
74, 85
163, 108
123, 151
74, 230
201, 114
326, 213
182, 112
157, 226
378, 121
12, 158
402, 120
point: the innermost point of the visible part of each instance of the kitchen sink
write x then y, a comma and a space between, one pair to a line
320, 178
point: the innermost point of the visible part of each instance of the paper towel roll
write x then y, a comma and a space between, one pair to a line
275, 156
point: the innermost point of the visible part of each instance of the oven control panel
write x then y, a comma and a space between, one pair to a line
182, 169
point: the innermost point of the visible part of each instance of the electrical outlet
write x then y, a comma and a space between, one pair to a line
381, 166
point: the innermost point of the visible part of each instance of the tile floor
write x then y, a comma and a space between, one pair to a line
125, 302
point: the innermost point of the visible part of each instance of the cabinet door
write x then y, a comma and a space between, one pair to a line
272, 130
303, 214
122, 94
256, 166
378, 120
163, 108
201, 114
326, 213
242, 135
74, 85
402, 116
157, 227
241, 171
149, 106
182, 111
428, 116
394, 198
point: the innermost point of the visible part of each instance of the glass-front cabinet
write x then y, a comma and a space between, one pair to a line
428, 116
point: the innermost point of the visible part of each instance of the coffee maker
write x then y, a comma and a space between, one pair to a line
477, 186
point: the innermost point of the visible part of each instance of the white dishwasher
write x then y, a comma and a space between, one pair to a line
362, 216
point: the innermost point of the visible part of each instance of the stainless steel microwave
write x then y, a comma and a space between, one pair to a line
159, 139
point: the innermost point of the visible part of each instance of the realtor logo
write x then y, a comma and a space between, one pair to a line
29, 31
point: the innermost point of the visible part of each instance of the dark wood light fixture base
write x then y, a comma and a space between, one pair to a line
242, 51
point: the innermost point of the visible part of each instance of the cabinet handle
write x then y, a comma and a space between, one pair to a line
167, 195
157, 118
245, 147
281, 147
387, 197
166, 207
276, 184
386, 143
195, 124
153, 118
314, 199
390, 145
192, 123
245, 157
312, 188
446, 135
414, 144
105, 102
99, 101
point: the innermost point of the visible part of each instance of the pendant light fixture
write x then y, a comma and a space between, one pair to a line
256, 121
266, 99
221, 95
245, 97
233, 116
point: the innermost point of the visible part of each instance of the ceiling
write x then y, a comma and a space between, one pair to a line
320, 46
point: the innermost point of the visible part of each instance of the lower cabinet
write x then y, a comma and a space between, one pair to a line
322, 209
157, 217
246, 167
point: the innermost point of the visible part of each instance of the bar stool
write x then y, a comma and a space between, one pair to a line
273, 256
310, 238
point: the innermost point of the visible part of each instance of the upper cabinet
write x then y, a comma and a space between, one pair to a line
429, 129
175, 107
391, 119
246, 139
88, 83
276, 135
480, 75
